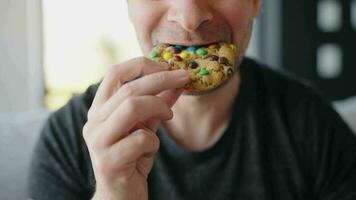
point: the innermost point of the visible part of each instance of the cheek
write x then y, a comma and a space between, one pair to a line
145, 18
240, 21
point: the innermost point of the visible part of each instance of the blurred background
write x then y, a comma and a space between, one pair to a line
52, 50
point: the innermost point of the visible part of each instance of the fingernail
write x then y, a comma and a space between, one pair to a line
180, 73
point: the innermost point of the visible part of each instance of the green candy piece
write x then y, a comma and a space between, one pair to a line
204, 72
153, 54
201, 52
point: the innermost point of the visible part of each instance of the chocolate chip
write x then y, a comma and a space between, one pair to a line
223, 61
176, 50
193, 65
213, 58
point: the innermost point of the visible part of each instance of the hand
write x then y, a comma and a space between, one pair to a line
120, 133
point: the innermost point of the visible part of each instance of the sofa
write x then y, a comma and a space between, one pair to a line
18, 135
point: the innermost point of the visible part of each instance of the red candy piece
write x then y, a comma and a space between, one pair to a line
189, 88
213, 46
177, 58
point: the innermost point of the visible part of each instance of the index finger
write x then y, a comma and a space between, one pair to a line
122, 73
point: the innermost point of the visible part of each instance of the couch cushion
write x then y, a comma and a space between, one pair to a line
18, 134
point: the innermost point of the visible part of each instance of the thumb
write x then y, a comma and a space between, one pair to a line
170, 97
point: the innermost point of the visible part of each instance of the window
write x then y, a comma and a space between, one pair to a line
81, 40
329, 61
329, 15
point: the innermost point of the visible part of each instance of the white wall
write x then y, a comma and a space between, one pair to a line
265, 44
20, 55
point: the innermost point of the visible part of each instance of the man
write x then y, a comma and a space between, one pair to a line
261, 135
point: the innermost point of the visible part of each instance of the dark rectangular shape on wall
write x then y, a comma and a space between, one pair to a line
319, 44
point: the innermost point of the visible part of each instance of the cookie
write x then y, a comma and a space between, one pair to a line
208, 66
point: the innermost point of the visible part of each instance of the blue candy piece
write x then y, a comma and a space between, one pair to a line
192, 49
179, 46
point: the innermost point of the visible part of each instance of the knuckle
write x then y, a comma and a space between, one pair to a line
112, 70
100, 116
162, 77
156, 141
89, 114
97, 116
85, 131
90, 144
162, 103
93, 138
142, 61
127, 90
131, 105
165, 109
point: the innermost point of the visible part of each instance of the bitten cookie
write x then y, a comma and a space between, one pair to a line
208, 66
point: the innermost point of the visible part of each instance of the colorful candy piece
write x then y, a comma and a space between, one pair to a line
204, 72
201, 52
191, 49
213, 46
184, 54
233, 47
179, 47
167, 56
213, 58
193, 65
189, 88
153, 54
177, 50
177, 58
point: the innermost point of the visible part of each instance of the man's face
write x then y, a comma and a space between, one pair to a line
193, 22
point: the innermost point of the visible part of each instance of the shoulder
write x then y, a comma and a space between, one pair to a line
283, 89
279, 81
294, 102
77, 107
61, 161
81, 102
288, 101
64, 126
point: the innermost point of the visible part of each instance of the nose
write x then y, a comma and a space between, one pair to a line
190, 14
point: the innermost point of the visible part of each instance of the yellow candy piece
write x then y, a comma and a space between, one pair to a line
184, 54
233, 47
167, 56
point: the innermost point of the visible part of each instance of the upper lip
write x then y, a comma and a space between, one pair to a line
192, 43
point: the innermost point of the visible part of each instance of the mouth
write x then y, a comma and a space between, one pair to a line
188, 44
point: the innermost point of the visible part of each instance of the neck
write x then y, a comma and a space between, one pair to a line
200, 120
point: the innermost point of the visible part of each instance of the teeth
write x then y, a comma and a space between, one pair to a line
195, 45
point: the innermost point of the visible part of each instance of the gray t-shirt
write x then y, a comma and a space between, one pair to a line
283, 142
